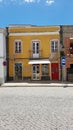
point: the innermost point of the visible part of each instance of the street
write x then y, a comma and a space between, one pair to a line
36, 108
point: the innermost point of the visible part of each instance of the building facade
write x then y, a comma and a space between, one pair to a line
34, 52
66, 36
3, 62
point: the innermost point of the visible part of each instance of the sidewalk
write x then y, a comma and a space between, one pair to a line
38, 84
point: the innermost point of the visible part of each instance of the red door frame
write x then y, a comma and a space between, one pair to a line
55, 71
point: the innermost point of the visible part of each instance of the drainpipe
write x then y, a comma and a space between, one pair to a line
61, 45
7, 53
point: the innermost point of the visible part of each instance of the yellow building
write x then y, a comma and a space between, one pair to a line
34, 52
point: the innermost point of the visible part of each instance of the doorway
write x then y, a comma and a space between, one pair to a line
18, 71
35, 49
35, 72
55, 71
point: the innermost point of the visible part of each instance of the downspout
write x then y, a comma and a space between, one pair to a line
7, 52
61, 45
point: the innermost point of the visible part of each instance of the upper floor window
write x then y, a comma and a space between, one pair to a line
35, 46
18, 47
35, 52
54, 46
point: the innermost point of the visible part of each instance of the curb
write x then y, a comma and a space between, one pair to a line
36, 85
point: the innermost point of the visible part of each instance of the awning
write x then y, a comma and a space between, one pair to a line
43, 61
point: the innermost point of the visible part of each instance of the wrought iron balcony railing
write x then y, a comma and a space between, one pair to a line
34, 55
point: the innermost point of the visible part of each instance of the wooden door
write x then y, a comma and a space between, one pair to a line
55, 71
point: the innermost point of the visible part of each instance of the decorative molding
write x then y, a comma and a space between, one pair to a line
34, 33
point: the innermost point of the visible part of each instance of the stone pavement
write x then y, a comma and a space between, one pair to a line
36, 108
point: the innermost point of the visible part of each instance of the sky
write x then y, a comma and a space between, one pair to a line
36, 12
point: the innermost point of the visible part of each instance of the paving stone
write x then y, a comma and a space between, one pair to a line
23, 108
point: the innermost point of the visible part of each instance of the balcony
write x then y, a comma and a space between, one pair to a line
35, 55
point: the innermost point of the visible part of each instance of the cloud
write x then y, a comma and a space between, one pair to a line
17, 1
49, 2
32, 1
29, 1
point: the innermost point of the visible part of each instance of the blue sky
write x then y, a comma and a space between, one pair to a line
36, 12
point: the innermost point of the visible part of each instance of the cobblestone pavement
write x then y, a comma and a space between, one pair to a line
31, 108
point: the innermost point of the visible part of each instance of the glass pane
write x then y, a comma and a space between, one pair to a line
52, 43
33, 47
52, 46
15, 43
37, 69
34, 76
44, 69
34, 69
33, 44
20, 44
37, 46
56, 44
17, 47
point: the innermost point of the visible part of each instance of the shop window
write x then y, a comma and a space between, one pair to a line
45, 69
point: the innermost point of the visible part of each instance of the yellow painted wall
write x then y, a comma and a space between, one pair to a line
27, 45
11, 68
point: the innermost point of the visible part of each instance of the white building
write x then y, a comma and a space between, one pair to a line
3, 65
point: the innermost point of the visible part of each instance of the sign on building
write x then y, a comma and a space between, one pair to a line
63, 60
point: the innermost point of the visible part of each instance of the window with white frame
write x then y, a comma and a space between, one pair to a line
54, 46
18, 47
35, 47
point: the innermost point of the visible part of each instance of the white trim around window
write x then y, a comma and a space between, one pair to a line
35, 41
54, 45
17, 46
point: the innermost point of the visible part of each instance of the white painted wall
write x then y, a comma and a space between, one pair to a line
2, 55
